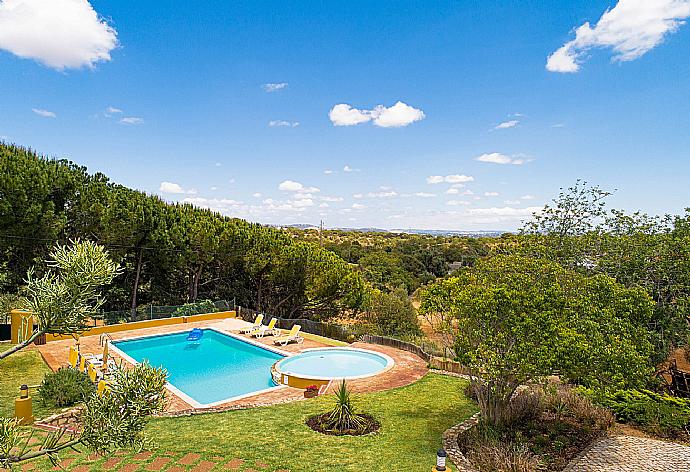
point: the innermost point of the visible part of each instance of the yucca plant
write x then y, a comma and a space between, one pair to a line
343, 416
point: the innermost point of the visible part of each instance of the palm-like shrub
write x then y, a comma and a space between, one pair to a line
343, 417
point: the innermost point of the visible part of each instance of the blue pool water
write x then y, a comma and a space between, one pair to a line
215, 368
334, 363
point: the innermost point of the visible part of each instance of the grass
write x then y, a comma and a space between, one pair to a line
23, 367
412, 418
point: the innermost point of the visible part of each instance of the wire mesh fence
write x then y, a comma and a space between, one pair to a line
156, 312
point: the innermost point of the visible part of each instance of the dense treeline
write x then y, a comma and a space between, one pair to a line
390, 261
171, 253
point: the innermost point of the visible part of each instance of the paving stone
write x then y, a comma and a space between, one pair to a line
190, 458
129, 468
234, 464
111, 463
81, 468
261, 465
631, 454
158, 463
203, 466
142, 456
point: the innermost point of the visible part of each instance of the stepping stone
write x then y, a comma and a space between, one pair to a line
234, 464
111, 463
129, 468
261, 465
190, 459
203, 466
142, 456
158, 463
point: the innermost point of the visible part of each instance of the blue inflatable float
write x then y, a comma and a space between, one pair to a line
195, 334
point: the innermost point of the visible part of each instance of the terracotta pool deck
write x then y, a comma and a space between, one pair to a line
408, 367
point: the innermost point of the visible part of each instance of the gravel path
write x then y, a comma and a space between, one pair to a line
632, 454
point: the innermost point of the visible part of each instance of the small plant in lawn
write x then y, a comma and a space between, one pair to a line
66, 387
343, 419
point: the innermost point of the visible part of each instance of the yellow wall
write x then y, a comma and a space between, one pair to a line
146, 324
16, 316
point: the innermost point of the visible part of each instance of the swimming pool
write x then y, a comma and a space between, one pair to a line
332, 363
215, 369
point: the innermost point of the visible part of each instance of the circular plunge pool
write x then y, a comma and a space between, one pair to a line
326, 364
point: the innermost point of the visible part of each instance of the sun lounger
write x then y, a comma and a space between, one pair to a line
256, 325
293, 335
269, 330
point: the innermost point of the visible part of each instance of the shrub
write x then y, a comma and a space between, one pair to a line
66, 387
566, 401
392, 314
486, 450
659, 413
189, 309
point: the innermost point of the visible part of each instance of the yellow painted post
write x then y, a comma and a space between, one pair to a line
22, 325
23, 409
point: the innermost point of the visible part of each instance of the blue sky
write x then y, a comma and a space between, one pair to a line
249, 107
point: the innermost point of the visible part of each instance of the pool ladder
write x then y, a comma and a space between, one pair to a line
104, 338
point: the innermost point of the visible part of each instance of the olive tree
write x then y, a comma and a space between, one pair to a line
64, 297
112, 420
515, 320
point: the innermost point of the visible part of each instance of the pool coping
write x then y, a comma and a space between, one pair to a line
390, 363
188, 399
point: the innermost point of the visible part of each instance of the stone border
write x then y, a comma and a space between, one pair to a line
67, 420
450, 443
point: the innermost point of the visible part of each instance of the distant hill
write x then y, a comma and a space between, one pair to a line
432, 232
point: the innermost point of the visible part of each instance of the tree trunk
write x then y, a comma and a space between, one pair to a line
21, 345
197, 277
135, 288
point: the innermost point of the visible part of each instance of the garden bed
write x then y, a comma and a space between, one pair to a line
319, 423
544, 433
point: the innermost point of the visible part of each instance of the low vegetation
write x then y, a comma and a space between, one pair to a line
343, 419
542, 432
65, 387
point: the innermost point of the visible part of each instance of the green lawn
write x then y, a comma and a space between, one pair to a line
412, 419
23, 367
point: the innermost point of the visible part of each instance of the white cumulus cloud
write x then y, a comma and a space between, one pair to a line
172, 187
507, 124
631, 29
292, 186
498, 158
451, 179
396, 116
61, 34
44, 113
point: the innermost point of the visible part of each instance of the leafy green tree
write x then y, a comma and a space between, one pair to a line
67, 294
516, 320
392, 314
385, 271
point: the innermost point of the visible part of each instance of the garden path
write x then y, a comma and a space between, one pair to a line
623, 453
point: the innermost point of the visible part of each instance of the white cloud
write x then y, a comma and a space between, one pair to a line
324, 205
214, 188
327, 198
172, 187
424, 195
112, 110
498, 158
218, 164
451, 179
400, 114
527, 197
512, 202
44, 113
349, 169
329, 172
256, 195
132, 120
383, 194
358, 206
457, 202
61, 34
507, 124
290, 124
344, 115
505, 211
631, 29
292, 186
396, 116
491, 194
221, 205
274, 87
